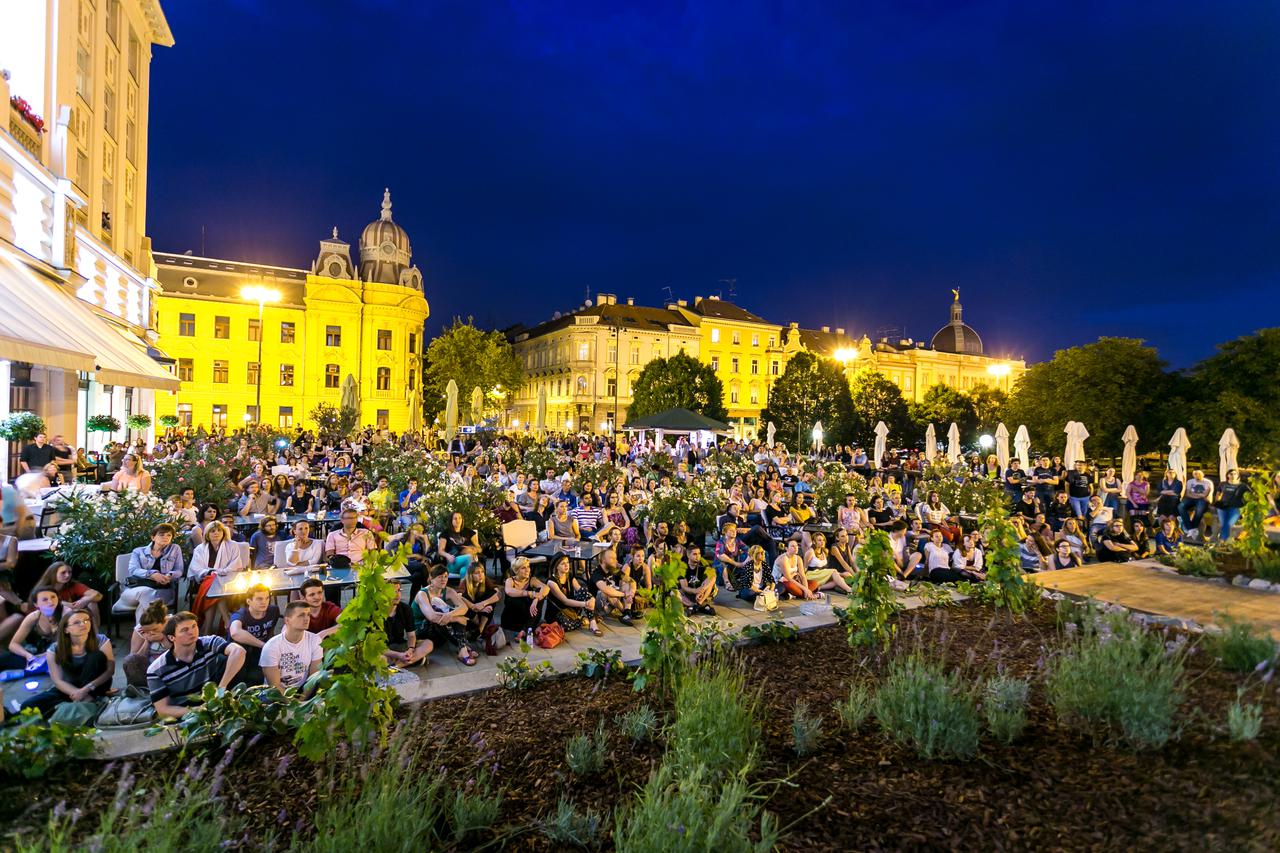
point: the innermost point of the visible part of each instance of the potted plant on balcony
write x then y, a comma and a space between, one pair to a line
138, 422
21, 426
169, 421
102, 423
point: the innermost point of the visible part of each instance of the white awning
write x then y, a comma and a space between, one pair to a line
42, 324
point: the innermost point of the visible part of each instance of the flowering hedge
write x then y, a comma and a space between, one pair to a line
698, 503
21, 426
210, 479
96, 528
477, 503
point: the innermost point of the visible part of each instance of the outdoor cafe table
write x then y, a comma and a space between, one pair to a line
282, 582
580, 552
322, 521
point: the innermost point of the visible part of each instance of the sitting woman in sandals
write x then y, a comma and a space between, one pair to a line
818, 569
570, 603
840, 556
524, 596
440, 614
788, 572
754, 575
480, 597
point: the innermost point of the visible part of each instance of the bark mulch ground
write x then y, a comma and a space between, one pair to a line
1052, 790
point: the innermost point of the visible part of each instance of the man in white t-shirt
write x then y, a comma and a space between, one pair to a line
292, 656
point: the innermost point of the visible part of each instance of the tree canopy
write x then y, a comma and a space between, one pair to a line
473, 359
1237, 388
680, 381
876, 398
974, 411
1106, 385
811, 389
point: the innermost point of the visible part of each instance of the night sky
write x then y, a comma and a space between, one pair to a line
1077, 169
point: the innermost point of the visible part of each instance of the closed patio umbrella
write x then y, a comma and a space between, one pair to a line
769, 433
477, 404
953, 443
1022, 445
1228, 450
1179, 444
930, 443
450, 410
1076, 435
540, 417
882, 436
1002, 446
1129, 459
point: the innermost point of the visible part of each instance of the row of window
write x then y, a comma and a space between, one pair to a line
546, 357
332, 374
774, 366
288, 332
737, 338
284, 416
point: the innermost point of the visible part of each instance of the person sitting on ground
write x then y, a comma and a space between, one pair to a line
1168, 538
524, 595
698, 586
251, 626
967, 557
615, 593
937, 555
1029, 557
37, 631
1064, 556
81, 664
71, 592
730, 555
817, 568
458, 546
263, 543
1115, 546
753, 576
1142, 540
323, 613
1071, 533
291, 657
404, 648
146, 643
481, 597
788, 573
571, 602
880, 516
841, 553
440, 615
156, 567
936, 516
177, 677
1059, 510
639, 571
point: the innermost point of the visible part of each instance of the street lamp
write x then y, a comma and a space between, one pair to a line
844, 355
985, 441
261, 295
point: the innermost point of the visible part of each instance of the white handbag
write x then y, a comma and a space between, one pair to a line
767, 601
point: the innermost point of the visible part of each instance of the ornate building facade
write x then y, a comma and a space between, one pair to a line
74, 94
341, 325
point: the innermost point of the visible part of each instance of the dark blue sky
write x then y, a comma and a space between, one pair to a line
1077, 169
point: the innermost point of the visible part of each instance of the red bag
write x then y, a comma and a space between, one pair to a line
548, 636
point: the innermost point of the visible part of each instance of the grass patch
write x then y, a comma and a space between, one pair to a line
1004, 704
1241, 646
715, 720
684, 809
805, 730
932, 711
638, 724
855, 708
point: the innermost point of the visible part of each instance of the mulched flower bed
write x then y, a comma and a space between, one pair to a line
1053, 789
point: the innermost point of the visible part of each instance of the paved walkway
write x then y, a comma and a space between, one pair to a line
1143, 586
445, 676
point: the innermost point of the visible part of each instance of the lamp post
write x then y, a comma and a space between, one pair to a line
261, 295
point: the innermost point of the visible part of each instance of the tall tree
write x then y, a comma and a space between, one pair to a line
679, 382
877, 398
473, 359
940, 406
1105, 385
1237, 388
988, 406
811, 389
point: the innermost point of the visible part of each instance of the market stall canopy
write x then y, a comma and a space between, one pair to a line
677, 421
42, 324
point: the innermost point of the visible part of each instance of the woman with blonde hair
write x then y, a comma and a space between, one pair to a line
131, 476
216, 556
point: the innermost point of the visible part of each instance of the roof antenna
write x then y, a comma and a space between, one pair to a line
731, 284
202, 254
670, 297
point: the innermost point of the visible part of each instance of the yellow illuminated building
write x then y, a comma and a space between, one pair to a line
255, 342
573, 359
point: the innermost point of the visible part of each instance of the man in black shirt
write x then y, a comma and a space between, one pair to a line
1115, 546
880, 516
1028, 507
1014, 478
36, 455
1079, 488
698, 586
1045, 478
403, 646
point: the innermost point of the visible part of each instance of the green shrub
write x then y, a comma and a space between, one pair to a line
102, 423
805, 730
1005, 707
475, 807
1005, 584
138, 422
638, 724
586, 754
1241, 646
873, 602
829, 492
210, 479
30, 747
856, 707
600, 663
1196, 562
183, 814
932, 711
666, 644
568, 827
97, 528
1114, 679
682, 809
773, 631
169, 421
516, 673
239, 710
715, 721
1244, 722
21, 426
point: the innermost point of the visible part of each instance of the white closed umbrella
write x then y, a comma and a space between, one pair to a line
882, 436
930, 443
1228, 450
1076, 435
817, 436
477, 404
1002, 446
953, 443
769, 433
1022, 445
1129, 459
1179, 444
450, 410
540, 418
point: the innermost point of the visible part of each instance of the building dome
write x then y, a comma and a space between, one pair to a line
956, 336
384, 248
